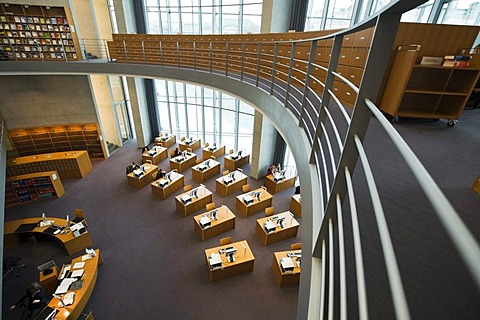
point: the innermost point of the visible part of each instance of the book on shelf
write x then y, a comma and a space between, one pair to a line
458, 61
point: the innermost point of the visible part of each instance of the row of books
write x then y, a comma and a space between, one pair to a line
34, 27
42, 20
459, 61
38, 42
39, 49
34, 34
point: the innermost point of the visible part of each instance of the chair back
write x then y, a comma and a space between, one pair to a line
182, 139
230, 151
226, 240
295, 246
226, 172
188, 187
206, 144
269, 211
79, 214
172, 152
246, 188
210, 206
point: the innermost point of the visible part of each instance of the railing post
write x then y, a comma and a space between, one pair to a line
85, 50
241, 64
107, 52
293, 49
275, 53
178, 54
211, 45
63, 50
125, 50
194, 55
161, 52
226, 59
311, 58
143, 52
259, 54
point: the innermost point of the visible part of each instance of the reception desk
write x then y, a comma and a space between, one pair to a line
287, 276
193, 144
278, 232
166, 141
198, 198
278, 183
230, 183
205, 170
144, 179
225, 220
243, 263
83, 294
212, 151
165, 187
69, 165
233, 161
256, 205
155, 155
181, 163
296, 205
17, 231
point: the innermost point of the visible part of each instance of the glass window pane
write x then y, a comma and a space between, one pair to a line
245, 124
465, 12
255, 9
245, 108
163, 111
419, 14
228, 121
252, 24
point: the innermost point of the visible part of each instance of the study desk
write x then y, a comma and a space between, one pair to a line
144, 179
182, 163
233, 161
256, 205
15, 233
243, 263
289, 230
225, 221
194, 203
280, 185
210, 168
193, 144
174, 181
83, 294
287, 277
296, 205
230, 183
211, 151
155, 155
166, 141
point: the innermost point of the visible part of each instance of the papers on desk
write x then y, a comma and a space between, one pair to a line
63, 272
152, 152
205, 222
215, 261
248, 199
86, 257
202, 167
287, 264
69, 298
162, 182
227, 180
46, 223
269, 226
64, 285
186, 198
179, 159
77, 273
138, 172
277, 176
78, 265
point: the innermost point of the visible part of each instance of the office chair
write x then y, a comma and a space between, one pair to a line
188, 187
79, 216
225, 241
210, 206
207, 144
268, 211
246, 188
11, 264
295, 246
226, 172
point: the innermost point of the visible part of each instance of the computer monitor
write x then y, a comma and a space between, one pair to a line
257, 195
280, 222
167, 176
239, 153
232, 175
195, 193
213, 214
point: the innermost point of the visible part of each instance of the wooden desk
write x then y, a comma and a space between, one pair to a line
289, 230
155, 157
72, 244
225, 221
296, 205
176, 182
231, 163
212, 168
276, 187
144, 179
239, 179
187, 143
243, 263
256, 206
69, 164
195, 204
83, 294
284, 278
183, 165
217, 152
166, 141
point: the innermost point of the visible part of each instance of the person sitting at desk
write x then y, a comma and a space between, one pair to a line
271, 169
33, 301
132, 167
278, 168
145, 149
160, 174
177, 152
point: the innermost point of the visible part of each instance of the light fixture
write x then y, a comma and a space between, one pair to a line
6, 5
47, 7
26, 6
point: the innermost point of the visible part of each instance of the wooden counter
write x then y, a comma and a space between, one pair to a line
175, 182
278, 186
237, 178
211, 151
282, 277
69, 165
72, 244
211, 168
166, 141
256, 206
296, 205
144, 179
243, 263
195, 204
192, 144
155, 155
233, 162
187, 162
225, 221
289, 230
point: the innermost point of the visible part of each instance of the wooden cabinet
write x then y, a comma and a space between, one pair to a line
424, 91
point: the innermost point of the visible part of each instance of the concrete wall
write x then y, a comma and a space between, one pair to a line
263, 148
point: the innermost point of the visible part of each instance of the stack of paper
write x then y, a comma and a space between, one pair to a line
64, 285
77, 273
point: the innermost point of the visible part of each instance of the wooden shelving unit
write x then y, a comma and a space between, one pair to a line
29, 32
40, 140
32, 187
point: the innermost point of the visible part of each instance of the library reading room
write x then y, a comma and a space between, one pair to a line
240, 159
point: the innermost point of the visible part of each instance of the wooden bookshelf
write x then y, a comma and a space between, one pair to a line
60, 138
30, 32
32, 187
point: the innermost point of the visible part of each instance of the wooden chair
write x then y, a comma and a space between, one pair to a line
188, 187
154, 176
79, 216
213, 158
174, 170
264, 188
230, 151
172, 153
198, 161
182, 139
206, 144
226, 240
148, 161
240, 169
210, 206
296, 246
159, 144
246, 188
226, 172
189, 150
268, 211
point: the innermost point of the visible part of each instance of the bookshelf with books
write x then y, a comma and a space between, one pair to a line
32, 187
31, 32
59, 138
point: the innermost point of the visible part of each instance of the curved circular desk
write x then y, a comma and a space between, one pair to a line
17, 230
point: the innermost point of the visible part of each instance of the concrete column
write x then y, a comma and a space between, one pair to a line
276, 16
138, 102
